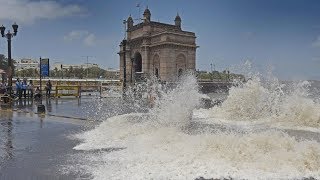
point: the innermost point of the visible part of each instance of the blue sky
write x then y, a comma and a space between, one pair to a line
283, 34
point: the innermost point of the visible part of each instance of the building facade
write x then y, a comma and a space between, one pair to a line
112, 74
59, 66
26, 64
153, 48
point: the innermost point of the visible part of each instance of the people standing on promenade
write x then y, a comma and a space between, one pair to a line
18, 88
30, 89
3, 88
5, 84
3, 92
37, 93
24, 86
48, 88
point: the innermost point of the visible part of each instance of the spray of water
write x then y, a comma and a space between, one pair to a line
172, 108
154, 145
270, 100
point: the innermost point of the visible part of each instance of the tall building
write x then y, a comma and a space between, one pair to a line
159, 49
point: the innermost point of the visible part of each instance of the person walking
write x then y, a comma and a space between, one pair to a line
48, 88
24, 86
18, 88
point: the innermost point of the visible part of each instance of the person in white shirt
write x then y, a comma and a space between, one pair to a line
30, 89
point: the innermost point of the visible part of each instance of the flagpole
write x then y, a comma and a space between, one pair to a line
139, 16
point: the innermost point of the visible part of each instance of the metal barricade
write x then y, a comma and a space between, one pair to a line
62, 90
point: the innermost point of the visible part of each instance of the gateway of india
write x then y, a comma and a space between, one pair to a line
153, 48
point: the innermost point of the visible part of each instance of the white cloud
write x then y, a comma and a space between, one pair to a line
87, 38
75, 35
90, 40
316, 43
27, 11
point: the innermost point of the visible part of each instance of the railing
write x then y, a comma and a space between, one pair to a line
67, 91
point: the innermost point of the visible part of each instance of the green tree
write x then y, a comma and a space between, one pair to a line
71, 72
96, 72
55, 72
3, 62
25, 73
79, 72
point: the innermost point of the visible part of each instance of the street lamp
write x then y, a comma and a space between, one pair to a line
9, 35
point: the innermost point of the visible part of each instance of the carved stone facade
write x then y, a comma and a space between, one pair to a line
159, 49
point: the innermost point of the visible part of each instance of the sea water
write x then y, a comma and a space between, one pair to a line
264, 129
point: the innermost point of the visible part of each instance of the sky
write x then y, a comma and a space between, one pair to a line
282, 35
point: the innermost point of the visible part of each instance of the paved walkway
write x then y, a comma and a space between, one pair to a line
35, 146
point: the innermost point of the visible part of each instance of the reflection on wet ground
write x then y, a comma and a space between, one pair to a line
68, 106
32, 146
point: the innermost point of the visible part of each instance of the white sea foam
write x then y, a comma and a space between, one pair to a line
254, 101
168, 153
155, 145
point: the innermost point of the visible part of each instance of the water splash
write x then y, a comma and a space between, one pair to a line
166, 153
174, 107
154, 145
270, 100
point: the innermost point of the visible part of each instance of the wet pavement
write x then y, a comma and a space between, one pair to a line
34, 146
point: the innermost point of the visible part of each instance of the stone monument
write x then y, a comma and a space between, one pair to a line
153, 48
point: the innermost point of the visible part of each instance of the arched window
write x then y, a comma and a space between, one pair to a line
180, 71
156, 65
181, 64
137, 62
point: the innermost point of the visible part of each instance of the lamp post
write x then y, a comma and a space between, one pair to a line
9, 36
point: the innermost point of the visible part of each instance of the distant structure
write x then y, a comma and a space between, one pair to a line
26, 63
153, 48
60, 66
112, 74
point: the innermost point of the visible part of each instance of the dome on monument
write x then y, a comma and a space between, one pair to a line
129, 18
147, 11
178, 18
